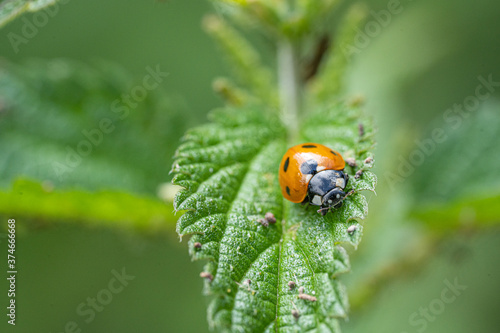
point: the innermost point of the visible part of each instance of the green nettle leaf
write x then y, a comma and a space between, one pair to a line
434, 183
50, 108
101, 208
279, 277
445, 199
10, 9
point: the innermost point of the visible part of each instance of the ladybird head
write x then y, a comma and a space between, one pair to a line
333, 198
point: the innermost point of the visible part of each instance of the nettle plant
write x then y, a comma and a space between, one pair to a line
283, 276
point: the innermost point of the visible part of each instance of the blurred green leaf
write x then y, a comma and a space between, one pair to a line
459, 182
229, 171
242, 56
329, 82
77, 125
281, 19
10, 9
466, 164
460, 213
104, 208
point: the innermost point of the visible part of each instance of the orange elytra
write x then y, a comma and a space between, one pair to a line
311, 172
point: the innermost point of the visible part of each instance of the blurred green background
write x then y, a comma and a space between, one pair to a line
439, 223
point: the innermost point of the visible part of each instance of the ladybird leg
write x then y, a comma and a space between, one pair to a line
349, 193
323, 210
346, 178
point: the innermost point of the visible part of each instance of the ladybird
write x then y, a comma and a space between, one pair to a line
313, 173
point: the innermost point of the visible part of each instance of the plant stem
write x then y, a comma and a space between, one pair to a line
289, 87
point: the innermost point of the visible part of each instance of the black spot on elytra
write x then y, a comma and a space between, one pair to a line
334, 153
309, 146
309, 167
285, 167
287, 190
